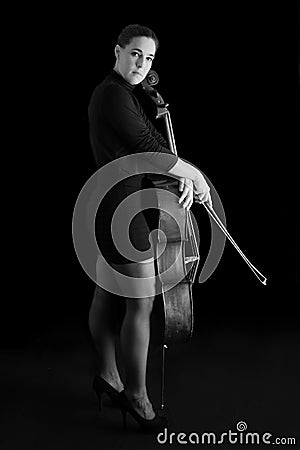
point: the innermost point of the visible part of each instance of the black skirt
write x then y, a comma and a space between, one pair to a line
134, 228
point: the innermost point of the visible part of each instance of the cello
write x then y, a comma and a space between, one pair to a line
177, 245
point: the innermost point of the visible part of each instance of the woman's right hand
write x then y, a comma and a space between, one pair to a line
202, 190
186, 170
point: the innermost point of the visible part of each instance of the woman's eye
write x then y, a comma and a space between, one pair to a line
149, 59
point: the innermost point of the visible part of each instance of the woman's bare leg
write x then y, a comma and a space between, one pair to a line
103, 328
135, 335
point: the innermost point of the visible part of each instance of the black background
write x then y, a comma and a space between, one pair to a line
229, 73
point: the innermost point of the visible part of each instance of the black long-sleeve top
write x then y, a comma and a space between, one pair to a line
119, 126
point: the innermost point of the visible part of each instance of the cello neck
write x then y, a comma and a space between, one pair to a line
163, 112
162, 107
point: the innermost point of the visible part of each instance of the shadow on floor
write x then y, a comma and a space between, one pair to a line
225, 375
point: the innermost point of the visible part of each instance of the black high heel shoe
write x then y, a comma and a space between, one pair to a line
154, 425
100, 387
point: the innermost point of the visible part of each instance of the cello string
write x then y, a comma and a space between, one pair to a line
191, 231
212, 213
194, 246
172, 138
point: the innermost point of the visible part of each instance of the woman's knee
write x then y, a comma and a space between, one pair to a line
141, 306
140, 282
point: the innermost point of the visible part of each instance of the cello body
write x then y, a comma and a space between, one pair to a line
177, 250
177, 255
173, 310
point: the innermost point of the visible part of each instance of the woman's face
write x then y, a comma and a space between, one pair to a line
134, 61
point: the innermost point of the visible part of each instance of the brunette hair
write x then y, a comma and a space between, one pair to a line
135, 30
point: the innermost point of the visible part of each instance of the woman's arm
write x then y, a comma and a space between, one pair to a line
120, 112
186, 170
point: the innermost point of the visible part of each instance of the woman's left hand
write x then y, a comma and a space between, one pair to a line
187, 189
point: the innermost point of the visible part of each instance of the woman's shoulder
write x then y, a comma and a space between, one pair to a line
111, 91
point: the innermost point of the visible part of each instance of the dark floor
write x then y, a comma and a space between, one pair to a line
228, 373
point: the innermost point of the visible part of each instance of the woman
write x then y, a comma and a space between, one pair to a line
119, 127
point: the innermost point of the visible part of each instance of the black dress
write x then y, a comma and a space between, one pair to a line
119, 127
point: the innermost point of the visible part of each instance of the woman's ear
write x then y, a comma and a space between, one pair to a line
117, 51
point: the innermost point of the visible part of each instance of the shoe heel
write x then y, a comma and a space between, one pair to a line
98, 393
99, 398
124, 416
101, 387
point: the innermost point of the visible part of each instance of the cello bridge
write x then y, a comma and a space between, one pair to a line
189, 259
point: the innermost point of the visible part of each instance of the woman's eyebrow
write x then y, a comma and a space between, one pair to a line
140, 50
